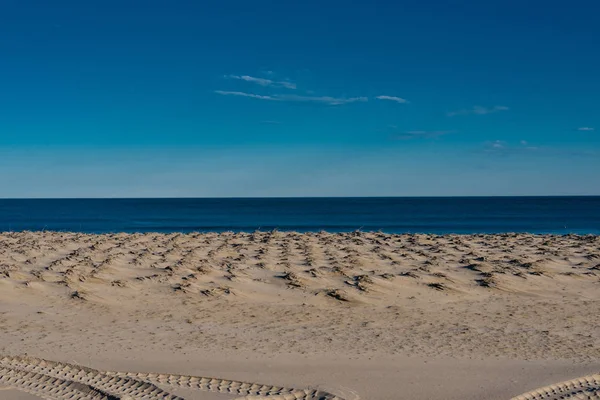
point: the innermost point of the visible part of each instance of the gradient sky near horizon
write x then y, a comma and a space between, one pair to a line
299, 98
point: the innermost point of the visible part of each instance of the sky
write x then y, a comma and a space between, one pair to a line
105, 98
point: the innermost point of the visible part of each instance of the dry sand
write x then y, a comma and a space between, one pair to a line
361, 315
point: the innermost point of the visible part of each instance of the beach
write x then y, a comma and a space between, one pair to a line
360, 315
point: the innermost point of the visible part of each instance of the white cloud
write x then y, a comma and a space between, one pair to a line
478, 110
504, 148
242, 94
427, 133
422, 134
263, 81
393, 98
498, 144
295, 98
416, 134
322, 99
585, 129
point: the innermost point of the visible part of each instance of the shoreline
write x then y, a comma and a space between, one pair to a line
293, 232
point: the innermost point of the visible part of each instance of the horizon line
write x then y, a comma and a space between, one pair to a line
298, 197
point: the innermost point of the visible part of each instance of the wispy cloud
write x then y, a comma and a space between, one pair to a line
295, 98
478, 110
263, 81
321, 99
503, 148
420, 134
497, 149
498, 144
243, 94
585, 129
393, 98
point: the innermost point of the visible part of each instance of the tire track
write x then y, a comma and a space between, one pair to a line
62, 381
587, 387
48, 387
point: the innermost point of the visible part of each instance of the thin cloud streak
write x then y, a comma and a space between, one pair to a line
421, 134
295, 98
322, 99
417, 134
477, 110
263, 81
585, 129
503, 148
393, 98
243, 94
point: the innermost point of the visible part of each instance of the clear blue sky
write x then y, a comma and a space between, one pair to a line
299, 98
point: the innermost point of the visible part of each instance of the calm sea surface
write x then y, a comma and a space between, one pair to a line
395, 215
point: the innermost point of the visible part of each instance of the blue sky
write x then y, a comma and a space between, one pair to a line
299, 98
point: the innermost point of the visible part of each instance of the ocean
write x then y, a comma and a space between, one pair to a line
436, 215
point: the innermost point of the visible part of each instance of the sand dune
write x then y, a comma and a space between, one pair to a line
353, 297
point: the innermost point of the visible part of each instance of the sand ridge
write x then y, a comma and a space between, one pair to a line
353, 267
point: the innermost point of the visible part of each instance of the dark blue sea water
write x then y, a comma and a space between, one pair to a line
395, 215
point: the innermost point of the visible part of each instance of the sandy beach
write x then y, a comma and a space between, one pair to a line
355, 315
